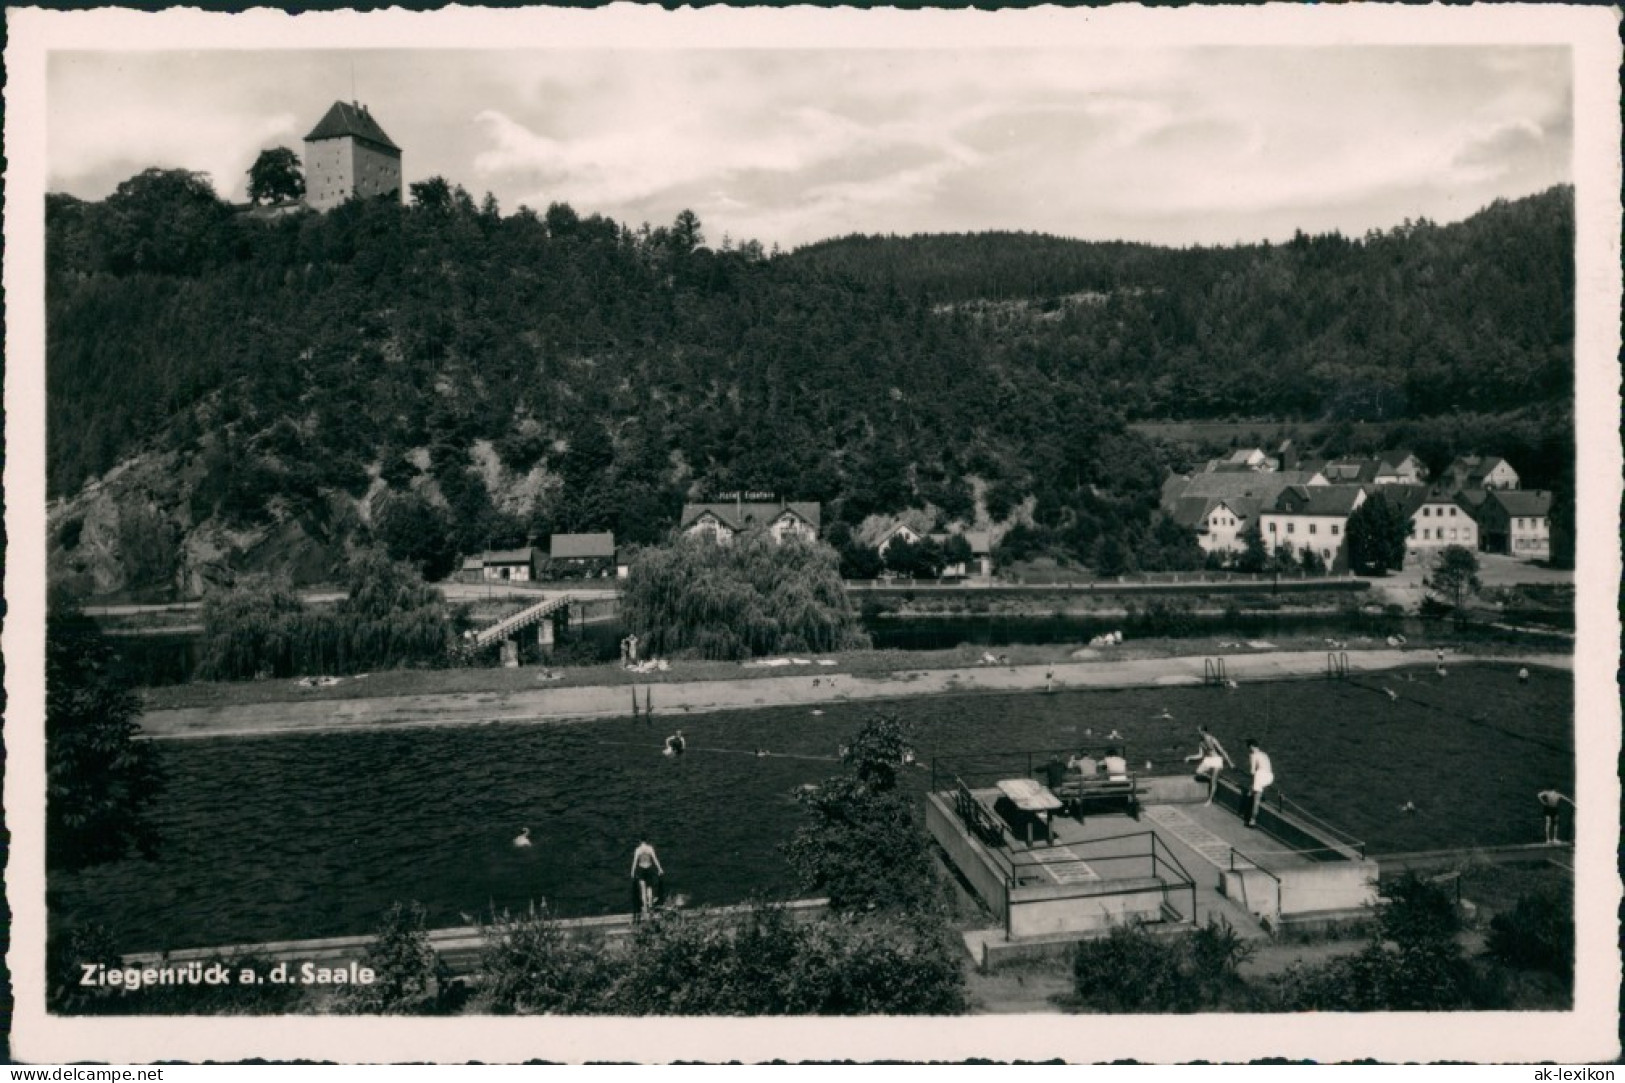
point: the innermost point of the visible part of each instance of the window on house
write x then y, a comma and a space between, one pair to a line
1426, 512
1289, 528
1272, 528
1311, 528
1452, 513
1334, 530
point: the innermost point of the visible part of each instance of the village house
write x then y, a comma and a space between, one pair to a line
1480, 472
348, 155
577, 556
980, 542
1517, 522
1400, 468
510, 565
1221, 506
1438, 519
1221, 522
900, 532
1312, 517
781, 519
981, 554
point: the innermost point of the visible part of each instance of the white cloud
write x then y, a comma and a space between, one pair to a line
794, 145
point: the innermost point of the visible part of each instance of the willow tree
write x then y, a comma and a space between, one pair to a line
748, 596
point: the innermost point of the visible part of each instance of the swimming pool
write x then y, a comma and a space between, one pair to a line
293, 837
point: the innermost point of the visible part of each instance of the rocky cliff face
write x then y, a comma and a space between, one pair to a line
131, 532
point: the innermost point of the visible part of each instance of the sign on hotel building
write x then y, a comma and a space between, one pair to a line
347, 154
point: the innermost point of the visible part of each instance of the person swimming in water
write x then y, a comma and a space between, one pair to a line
646, 871
675, 744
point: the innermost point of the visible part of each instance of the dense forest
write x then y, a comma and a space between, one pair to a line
480, 377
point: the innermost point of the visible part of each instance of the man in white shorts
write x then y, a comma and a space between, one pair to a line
1210, 759
1258, 764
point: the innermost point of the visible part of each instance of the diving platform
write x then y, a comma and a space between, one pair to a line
1165, 858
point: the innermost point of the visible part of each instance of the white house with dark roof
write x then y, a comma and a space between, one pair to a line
1221, 522
1312, 517
1400, 467
347, 154
980, 542
1517, 522
1481, 472
781, 520
1439, 520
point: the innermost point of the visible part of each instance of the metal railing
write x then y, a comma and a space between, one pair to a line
1017, 867
1285, 804
1246, 899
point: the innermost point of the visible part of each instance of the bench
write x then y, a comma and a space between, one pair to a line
1078, 792
978, 820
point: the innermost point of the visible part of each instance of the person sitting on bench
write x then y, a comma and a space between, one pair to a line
1054, 773
1084, 764
1115, 766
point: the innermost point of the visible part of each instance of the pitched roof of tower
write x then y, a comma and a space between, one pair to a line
351, 119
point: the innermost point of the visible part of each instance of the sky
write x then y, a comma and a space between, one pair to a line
1201, 145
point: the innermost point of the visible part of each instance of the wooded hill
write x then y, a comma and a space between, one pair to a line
455, 377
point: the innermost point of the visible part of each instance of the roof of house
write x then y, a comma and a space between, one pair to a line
351, 119
1351, 470
1472, 499
980, 541
1523, 501
1328, 500
510, 556
576, 546
1471, 468
473, 564
1264, 486
742, 516
1397, 457
1407, 497
1193, 511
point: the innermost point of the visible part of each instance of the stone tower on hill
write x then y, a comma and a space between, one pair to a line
348, 154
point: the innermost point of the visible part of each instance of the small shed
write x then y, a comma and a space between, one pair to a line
511, 565
582, 555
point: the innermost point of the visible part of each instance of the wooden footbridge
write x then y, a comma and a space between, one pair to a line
529, 617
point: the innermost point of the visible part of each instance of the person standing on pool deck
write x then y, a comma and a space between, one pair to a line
1210, 759
647, 872
1551, 803
1258, 764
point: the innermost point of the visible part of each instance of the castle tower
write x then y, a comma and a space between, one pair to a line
349, 154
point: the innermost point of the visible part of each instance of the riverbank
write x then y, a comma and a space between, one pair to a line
1099, 668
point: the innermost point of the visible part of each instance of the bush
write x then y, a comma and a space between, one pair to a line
531, 965
1134, 970
861, 847
1537, 934
767, 963
1411, 963
409, 977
